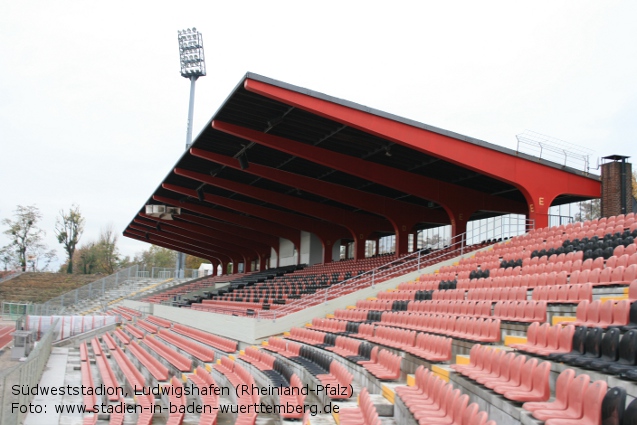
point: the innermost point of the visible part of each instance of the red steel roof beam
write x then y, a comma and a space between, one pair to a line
539, 183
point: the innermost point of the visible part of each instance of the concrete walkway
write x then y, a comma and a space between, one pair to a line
53, 376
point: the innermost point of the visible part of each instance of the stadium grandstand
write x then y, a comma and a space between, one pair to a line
291, 194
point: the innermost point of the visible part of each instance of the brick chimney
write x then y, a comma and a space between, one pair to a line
617, 186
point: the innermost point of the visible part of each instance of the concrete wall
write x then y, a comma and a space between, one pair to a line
316, 250
286, 253
336, 250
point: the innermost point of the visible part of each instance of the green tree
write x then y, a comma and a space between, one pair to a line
27, 238
101, 256
68, 229
635, 184
86, 258
193, 262
156, 256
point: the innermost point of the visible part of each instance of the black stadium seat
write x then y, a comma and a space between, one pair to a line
592, 348
627, 354
610, 351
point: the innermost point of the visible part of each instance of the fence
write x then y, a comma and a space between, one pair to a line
66, 326
163, 273
27, 375
57, 305
10, 275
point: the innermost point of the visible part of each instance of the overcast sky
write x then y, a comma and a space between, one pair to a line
93, 109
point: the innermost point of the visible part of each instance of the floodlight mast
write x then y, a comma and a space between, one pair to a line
193, 66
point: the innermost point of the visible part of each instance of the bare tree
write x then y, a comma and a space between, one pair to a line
27, 238
8, 257
589, 210
68, 229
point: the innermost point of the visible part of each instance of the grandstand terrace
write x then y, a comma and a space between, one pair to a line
532, 326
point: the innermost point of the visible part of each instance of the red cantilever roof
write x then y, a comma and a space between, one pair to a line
277, 159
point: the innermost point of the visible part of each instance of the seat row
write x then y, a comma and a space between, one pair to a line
449, 294
202, 379
147, 326
87, 379
605, 351
498, 294
520, 311
338, 377
346, 347
432, 348
327, 325
159, 321
374, 304
383, 364
218, 342
154, 366
178, 360
459, 308
513, 376
433, 402
602, 314
201, 352
468, 328
308, 336
283, 347
351, 315
577, 399
399, 294
238, 376
364, 414
176, 412
528, 281
564, 294
258, 358
544, 339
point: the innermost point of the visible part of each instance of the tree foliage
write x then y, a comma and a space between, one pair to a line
193, 262
8, 258
635, 184
589, 210
68, 229
101, 256
108, 254
156, 256
27, 239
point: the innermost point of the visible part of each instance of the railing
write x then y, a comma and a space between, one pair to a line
558, 220
57, 305
26, 375
487, 231
11, 275
554, 150
166, 273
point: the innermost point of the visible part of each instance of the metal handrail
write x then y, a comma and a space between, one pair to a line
396, 267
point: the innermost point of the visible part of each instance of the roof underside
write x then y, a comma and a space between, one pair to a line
256, 112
